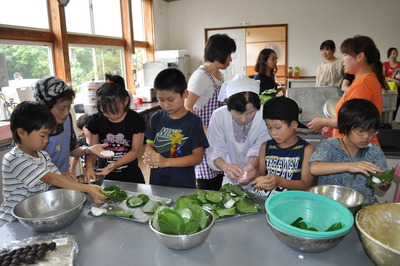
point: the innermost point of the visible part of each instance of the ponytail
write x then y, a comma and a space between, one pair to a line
377, 68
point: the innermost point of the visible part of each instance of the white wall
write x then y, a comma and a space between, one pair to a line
181, 24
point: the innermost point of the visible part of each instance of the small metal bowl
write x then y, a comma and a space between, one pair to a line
379, 230
349, 197
184, 241
50, 210
306, 244
98, 182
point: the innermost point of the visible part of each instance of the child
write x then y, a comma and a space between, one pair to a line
27, 169
346, 161
176, 139
83, 140
120, 127
283, 160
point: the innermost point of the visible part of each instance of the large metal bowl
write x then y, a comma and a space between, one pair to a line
379, 230
184, 241
349, 197
306, 244
50, 210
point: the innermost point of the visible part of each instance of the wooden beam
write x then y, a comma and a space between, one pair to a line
95, 40
129, 49
149, 28
19, 34
60, 45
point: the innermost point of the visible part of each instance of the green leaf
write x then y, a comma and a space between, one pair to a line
334, 227
226, 212
214, 196
382, 176
151, 206
170, 222
137, 201
121, 213
243, 207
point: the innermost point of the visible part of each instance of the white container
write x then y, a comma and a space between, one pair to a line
389, 100
89, 99
89, 88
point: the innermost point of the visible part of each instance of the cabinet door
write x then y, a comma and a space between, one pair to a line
238, 64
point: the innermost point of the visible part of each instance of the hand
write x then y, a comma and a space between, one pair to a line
267, 182
234, 172
97, 149
95, 194
327, 132
104, 171
363, 167
89, 175
384, 186
70, 175
249, 174
316, 125
153, 159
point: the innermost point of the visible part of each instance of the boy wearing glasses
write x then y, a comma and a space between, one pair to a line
347, 161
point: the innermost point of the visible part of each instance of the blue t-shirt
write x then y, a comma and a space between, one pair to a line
283, 162
329, 151
174, 138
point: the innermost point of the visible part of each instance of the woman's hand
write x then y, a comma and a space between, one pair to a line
234, 172
104, 171
95, 194
267, 182
97, 149
249, 173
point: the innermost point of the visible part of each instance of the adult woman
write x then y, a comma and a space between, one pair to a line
329, 72
266, 69
392, 64
204, 86
57, 96
361, 58
236, 131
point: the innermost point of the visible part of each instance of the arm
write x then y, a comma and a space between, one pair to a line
94, 191
326, 168
317, 124
137, 143
190, 101
345, 85
90, 160
74, 162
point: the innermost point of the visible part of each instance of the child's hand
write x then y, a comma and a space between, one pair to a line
70, 175
105, 171
267, 182
97, 149
384, 186
153, 159
95, 194
363, 167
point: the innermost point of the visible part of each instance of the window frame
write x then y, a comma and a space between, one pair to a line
60, 39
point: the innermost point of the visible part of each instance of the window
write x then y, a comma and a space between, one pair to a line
92, 63
96, 17
138, 20
24, 13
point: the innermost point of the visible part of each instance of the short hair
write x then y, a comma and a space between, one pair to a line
30, 116
170, 79
390, 50
82, 121
239, 101
218, 48
110, 93
358, 113
328, 45
262, 58
17, 75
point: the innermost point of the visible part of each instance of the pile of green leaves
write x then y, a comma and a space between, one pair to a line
230, 200
382, 176
184, 218
114, 194
267, 95
302, 225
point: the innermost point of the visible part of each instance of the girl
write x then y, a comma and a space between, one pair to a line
120, 127
329, 72
362, 59
266, 69
347, 161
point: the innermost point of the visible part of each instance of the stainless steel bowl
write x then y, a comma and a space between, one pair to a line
184, 241
349, 197
98, 182
304, 244
50, 210
379, 230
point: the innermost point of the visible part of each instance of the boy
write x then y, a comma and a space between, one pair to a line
283, 160
27, 169
175, 136
81, 124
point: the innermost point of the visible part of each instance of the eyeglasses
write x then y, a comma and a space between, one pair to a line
362, 132
273, 59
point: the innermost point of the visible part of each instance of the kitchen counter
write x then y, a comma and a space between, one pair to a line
246, 240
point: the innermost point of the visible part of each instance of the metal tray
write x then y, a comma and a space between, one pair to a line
139, 216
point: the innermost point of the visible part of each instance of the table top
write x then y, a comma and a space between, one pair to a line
246, 240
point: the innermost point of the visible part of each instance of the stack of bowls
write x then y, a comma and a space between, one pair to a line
350, 198
379, 230
316, 210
